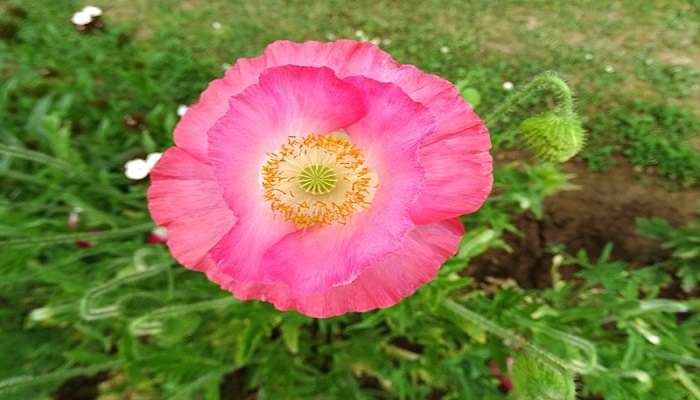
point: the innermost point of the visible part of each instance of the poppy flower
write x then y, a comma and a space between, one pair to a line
322, 177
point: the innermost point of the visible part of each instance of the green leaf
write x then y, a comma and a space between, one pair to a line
534, 379
290, 335
248, 341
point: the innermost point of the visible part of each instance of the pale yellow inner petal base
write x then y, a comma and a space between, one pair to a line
318, 180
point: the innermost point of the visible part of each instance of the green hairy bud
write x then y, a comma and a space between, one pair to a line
553, 137
534, 379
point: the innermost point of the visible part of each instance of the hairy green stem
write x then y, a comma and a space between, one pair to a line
72, 237
546, 80
24, 381
35, 156
149, 324
686, 381
71, 170
506, 334
90, 312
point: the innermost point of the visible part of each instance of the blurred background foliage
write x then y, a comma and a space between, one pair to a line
91, 310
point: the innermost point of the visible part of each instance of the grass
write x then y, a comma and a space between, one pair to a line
74, 107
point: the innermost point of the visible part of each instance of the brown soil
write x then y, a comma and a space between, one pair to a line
603, 210
81, 387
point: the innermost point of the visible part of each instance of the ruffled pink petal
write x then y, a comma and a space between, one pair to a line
344, 57
457, 152
457, 125
388, 136
456, 158
191, 132
457, 180
424, 250
185, 197
287, 101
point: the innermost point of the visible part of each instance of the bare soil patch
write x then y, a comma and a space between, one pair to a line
603, 210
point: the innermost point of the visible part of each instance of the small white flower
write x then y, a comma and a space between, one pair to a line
375, 41
182, 110
508, 85
216, 25
588, 56
81, 18
359, 34
609, 69
444, 49
92, 11
152, 159
138, 169
386, 41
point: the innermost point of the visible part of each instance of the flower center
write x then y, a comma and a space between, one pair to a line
317, 180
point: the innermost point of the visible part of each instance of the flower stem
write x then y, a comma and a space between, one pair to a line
71, 237
90, 312
35, 156
24, 381
515, 339
546, 80
149, 324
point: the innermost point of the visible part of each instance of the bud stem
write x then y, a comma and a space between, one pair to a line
518, 341
546, 80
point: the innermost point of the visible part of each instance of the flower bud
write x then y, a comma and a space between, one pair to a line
553, 137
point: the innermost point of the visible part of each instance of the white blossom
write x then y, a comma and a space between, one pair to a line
152, 159
507, 85
92, 11
81, 18
138, 169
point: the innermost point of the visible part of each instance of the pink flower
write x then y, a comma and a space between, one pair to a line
322, 177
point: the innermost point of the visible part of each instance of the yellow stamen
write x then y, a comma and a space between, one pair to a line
317, 180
